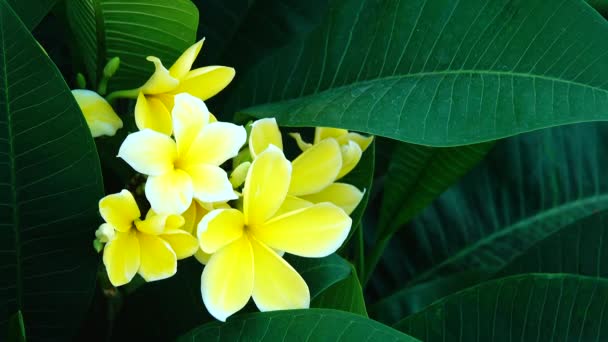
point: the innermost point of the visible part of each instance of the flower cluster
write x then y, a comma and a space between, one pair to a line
237, 222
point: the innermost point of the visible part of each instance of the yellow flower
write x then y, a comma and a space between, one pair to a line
155, 99
100, 117
334, 153
150, 247
243, 245
187, 167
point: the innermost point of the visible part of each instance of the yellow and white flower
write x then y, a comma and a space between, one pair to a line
150, 247
155, 99
186, 167
99, 115
243, 244
334, 154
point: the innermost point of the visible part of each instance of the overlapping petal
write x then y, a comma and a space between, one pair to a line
158, 260
161, 81
121, 257
210, 183
276, 286
190, 115
322, 133
216, 143
351, 154
219, 228
343, 195
157, 224
266, 186
119, 210
227, 280
313, 232
205, 82
149, 152
264, 132
316, 168
170, 193
151, 113
182, 243
182, 65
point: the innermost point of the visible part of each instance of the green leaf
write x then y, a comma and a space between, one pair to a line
578, 248
16, 328
600, 5
131, 30
438, 72
416, 176
304, 325
31, 12
529, 307
50, 183
320, 273
409, 300
345, 295
528, 188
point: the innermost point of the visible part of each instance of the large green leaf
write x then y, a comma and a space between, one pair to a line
320, 273
578, 248
438, 72
31, 12
534, 307
131, 30
345, 295
528, 188
300, 325
50, 183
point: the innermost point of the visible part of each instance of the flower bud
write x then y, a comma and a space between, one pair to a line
98, 113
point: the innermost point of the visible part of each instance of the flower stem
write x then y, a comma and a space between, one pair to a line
129, 94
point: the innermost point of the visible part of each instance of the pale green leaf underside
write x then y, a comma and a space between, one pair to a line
439, 72
531, 307
298, 325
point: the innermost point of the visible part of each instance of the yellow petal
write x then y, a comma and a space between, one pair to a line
343, 195
182, 65
322, 133
219, 228
227, 280
205, 82
99, 115
264, 132
361, 140
122, 258
237, 177
149, 152
210, 183
190, 218
215, 143
202, 257
316, 168
312, 232
157, 224
152, 113
303, 145
189, 116
266, 185
170, 193
161, 81
182, 243
276, 285
351, 154
119, 210
292, 203
158, 261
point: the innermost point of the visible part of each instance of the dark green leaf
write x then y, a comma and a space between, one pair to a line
438, 72
320, 273
16, 328
131, 30
528, 188
578, 248
300, 325
600, 6
410, 300
532, 307
345, 295
50, 184
31, 12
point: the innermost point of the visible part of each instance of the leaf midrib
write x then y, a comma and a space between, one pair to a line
11, 166
539, 217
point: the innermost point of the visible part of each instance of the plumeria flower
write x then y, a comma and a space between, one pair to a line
193, 216
243, 244
99, 115
316, 170
187, 167
155, 99
150, 247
